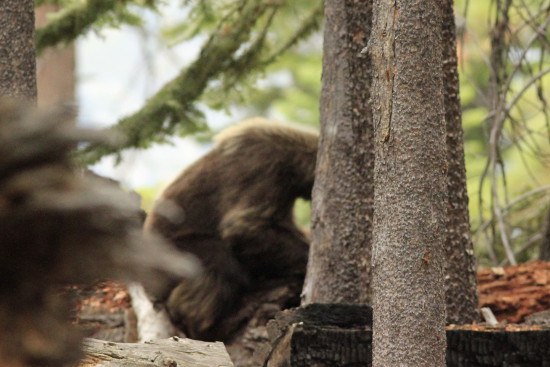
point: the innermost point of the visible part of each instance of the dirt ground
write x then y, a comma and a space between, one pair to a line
103, 311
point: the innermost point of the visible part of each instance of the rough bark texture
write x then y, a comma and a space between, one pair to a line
460, 281
17, 53
339, 263
164, 353
55, 68
410, 184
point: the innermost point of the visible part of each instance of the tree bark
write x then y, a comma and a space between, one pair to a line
410, 184
339, 262
17, 51
460, 281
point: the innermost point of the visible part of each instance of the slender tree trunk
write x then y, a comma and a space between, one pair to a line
339, 265
460, 282
17, 51
544, 251
55, 68
410, 199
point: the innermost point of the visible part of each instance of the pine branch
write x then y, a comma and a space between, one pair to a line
310, 25
75, 21
172, 108
250, 60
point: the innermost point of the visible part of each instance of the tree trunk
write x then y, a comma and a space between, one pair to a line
460, 281
339, 263
17, 51
410, 184
55, 68
544, 251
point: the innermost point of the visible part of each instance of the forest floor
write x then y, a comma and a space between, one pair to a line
515, 294
102, 310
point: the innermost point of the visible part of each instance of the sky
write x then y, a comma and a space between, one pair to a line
117, 70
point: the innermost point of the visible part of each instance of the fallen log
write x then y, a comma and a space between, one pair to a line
169, 352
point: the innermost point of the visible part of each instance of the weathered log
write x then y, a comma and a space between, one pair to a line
170, 352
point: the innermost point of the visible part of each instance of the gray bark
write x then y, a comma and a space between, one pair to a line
17, 51
410, 184
339, 262
460, 282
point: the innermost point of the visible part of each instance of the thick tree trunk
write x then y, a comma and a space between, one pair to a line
410, 184
17, 51
339, 263
460, 281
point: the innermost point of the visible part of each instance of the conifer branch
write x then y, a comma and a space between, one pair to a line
75, 21
172, 109
310, 25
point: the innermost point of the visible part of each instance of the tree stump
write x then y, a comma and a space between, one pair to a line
494, 348
341, 336
321, 335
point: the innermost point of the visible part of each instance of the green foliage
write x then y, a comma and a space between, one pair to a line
239, 48
172, 110
202, 16
78, 17
302, 210
297, 97
242, 39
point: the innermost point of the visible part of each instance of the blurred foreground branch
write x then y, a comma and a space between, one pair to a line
60, 227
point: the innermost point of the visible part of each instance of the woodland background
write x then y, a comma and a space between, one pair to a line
275, 71
240, 58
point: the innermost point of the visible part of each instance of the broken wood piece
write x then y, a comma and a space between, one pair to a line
488, 316
152, 323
